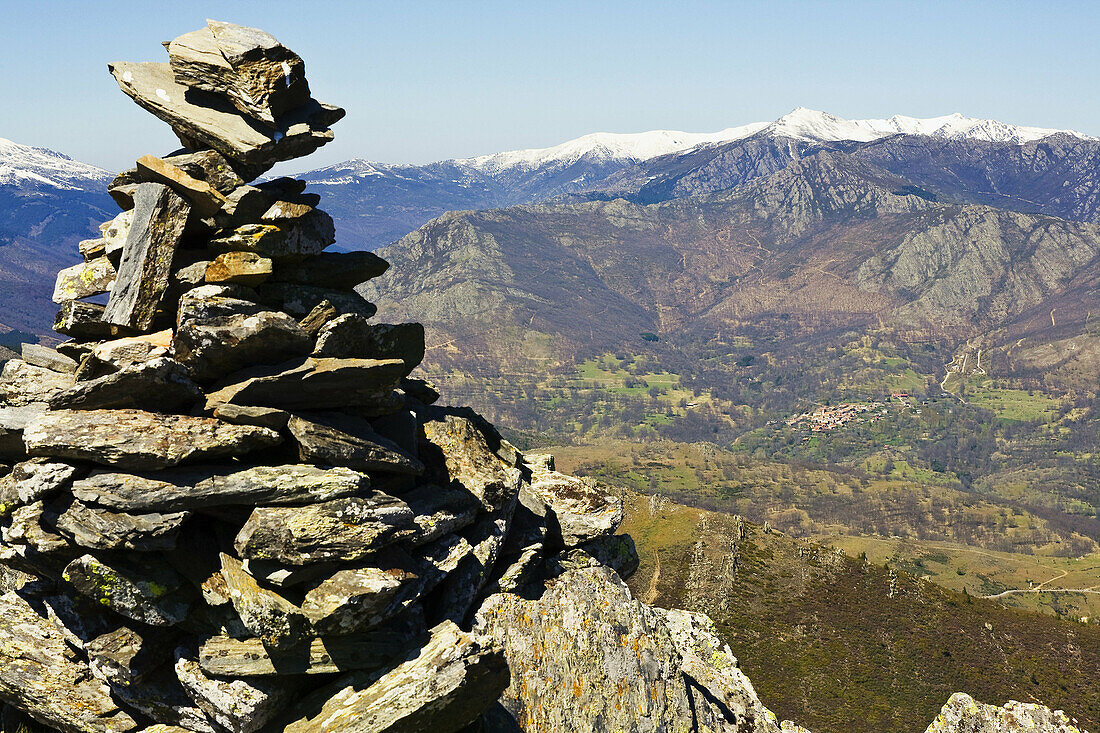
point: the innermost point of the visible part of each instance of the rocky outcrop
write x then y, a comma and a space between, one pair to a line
586, 645
962, 714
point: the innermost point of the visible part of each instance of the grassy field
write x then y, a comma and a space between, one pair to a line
1007, 403
811, 500
1042, 582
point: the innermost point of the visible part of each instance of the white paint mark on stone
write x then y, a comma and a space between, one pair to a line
128, 77
163, 95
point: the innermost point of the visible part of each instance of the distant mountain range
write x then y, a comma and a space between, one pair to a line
375, 203
48, 202
51, 201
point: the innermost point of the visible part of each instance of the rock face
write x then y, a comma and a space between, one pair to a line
962, 714
586, 645
230, 508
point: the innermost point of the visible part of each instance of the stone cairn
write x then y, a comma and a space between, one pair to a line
229, 506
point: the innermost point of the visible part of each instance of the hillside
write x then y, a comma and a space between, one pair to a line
827, 242
815, 629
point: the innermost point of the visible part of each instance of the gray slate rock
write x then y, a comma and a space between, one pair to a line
79, 619
264, 417
120, 353
137, 440
94, 277
353, 336
160, 216
160, 384
344, 529
336, 439
321, 314
224, 656
33, 480
124, 657
353, 600
205, 487
261, 77
219, 346
32, 546
144, 589
102, 529
288, 242
460, 590
618, 660
238, 705
312, 384
208, 121
162, 698
582, 512
276, 621
440, 511
209, 302
13, 420
442, 687
47, 358
83, 321
43, 676
470, 462
210, 166
335, 270
300, 300
962, 714
24, 384
285, 576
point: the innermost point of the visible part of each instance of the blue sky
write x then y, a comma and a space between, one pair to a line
429, 80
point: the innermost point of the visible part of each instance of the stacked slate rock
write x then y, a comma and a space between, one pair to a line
228, 505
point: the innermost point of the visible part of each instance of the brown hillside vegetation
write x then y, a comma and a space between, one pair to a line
845, 646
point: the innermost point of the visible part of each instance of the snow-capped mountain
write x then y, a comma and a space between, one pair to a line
626, 148
26, 166
809, 124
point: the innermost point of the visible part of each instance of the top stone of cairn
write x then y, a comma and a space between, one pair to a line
235, 90
260, 76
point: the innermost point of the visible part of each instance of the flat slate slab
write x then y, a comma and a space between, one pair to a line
102, 529
207, 120
138, 440
84, 280
444, 687
225, 656
161, 383
145, 589
344, 529
312, 384
203, 487
335, 439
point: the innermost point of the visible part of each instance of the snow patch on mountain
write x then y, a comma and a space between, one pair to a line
811, 124
28, 167
601, 146
626, 148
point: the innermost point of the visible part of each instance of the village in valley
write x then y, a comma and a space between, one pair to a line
829, 417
